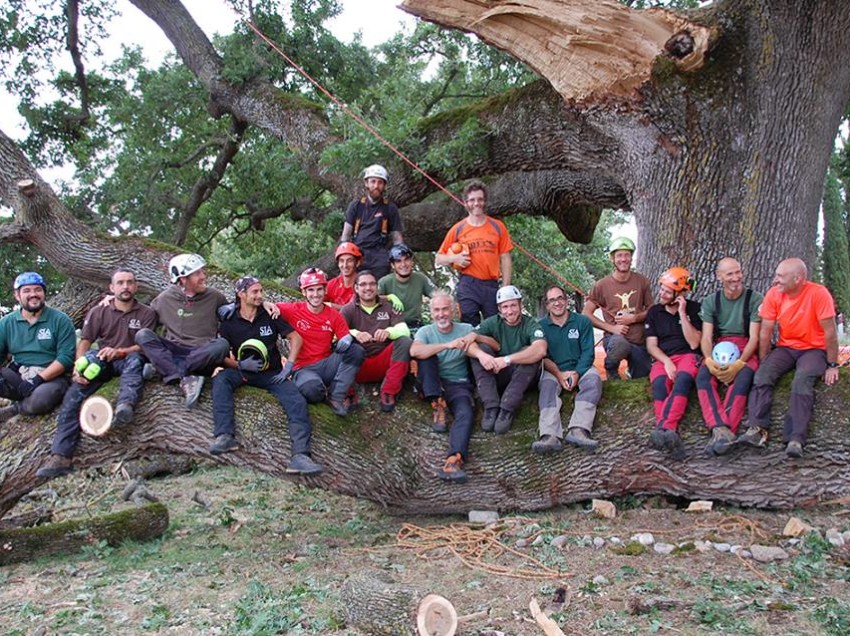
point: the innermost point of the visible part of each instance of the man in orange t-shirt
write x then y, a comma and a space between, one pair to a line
480, 247
808, 343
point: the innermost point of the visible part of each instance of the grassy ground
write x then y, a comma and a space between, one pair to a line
266, 556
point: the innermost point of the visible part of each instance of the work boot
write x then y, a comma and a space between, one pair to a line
547, 444
580, 437
503, 422
303, 464
438, 419
223, 443
488, 422
123, 415
8, 412
721, 441
754, 436
340, 408
191, 386
453, 469
148, 371
56, 467
387, 403
665, 439
794, 449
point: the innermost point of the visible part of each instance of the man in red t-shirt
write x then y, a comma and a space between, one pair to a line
341, 289
322, 369
808, 344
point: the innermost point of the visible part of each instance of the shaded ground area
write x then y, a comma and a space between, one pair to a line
250, 554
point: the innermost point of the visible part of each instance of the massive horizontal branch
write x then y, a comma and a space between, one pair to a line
393, 458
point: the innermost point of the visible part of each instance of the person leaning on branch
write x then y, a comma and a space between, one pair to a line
40, 341
623, 297
113, 327
442, 350
479, 247
729, 315
808, 344
256, 361
568, 366
673, 331
502, 380
373, 222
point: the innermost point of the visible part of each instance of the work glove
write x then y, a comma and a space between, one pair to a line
225, 312
344, 343
26, 387
250, 365
713, 367
283, 374
727, 374
396, 301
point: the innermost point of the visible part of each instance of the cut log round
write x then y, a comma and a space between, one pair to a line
436, 616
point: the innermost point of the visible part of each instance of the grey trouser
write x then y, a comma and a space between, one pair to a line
584, 410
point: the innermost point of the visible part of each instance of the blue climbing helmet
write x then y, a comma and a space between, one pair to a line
29, 278
725, 353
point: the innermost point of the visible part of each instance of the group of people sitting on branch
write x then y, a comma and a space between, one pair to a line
366, 325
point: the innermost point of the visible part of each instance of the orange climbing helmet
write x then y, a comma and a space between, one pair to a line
678, 279
347, 247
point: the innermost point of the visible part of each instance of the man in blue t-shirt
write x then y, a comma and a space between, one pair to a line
568, 366
442, 348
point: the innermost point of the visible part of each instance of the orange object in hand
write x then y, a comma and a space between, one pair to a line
459, 248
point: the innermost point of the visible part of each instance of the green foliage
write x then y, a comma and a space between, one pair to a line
262, 610
836, 252
834, 616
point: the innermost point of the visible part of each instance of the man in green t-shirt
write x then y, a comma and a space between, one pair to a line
729, 315
404, 287
521, 344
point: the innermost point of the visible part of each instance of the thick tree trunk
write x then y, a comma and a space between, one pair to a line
393, 459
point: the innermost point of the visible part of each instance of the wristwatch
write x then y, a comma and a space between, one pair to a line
832, 365
507, 361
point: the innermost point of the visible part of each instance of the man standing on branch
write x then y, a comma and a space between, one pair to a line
40, 341
624, 297
373, 221
114, 327
404, 287
480, 247
729, 315
521, 344
808, 344
673, 331
255, 360
568, 366
187, 311
322, 370
341, 289
441, 349
384, 335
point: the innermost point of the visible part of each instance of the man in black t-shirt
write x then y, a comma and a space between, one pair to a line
673, 331
255, 360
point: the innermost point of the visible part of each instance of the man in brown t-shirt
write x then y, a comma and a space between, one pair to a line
623, 298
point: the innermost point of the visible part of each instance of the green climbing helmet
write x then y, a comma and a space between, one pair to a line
254, 348
621, 243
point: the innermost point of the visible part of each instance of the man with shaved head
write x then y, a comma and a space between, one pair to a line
808, 344
729, 315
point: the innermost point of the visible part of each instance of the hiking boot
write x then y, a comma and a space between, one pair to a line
56, 467
191, 386
721, 441
123, 415
665, 439
148, 371
547, 444
580, 437
303, 464
754, 436
223, 443
8, 412
488, 422
794, 449
340, 408
438, 420
503, 422
387, 403
453, 469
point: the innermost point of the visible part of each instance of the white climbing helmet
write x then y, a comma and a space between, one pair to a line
184, 265
375, 170
506, 293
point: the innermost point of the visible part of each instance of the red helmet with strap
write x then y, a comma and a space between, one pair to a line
347, 247
311, 277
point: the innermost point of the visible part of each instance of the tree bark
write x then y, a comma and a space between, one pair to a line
393, 458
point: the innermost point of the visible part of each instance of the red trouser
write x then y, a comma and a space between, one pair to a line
730, 411
383, 367
670, 397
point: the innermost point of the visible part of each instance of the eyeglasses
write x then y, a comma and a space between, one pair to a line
555, 301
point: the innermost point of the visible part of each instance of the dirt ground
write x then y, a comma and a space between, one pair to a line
250, 554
